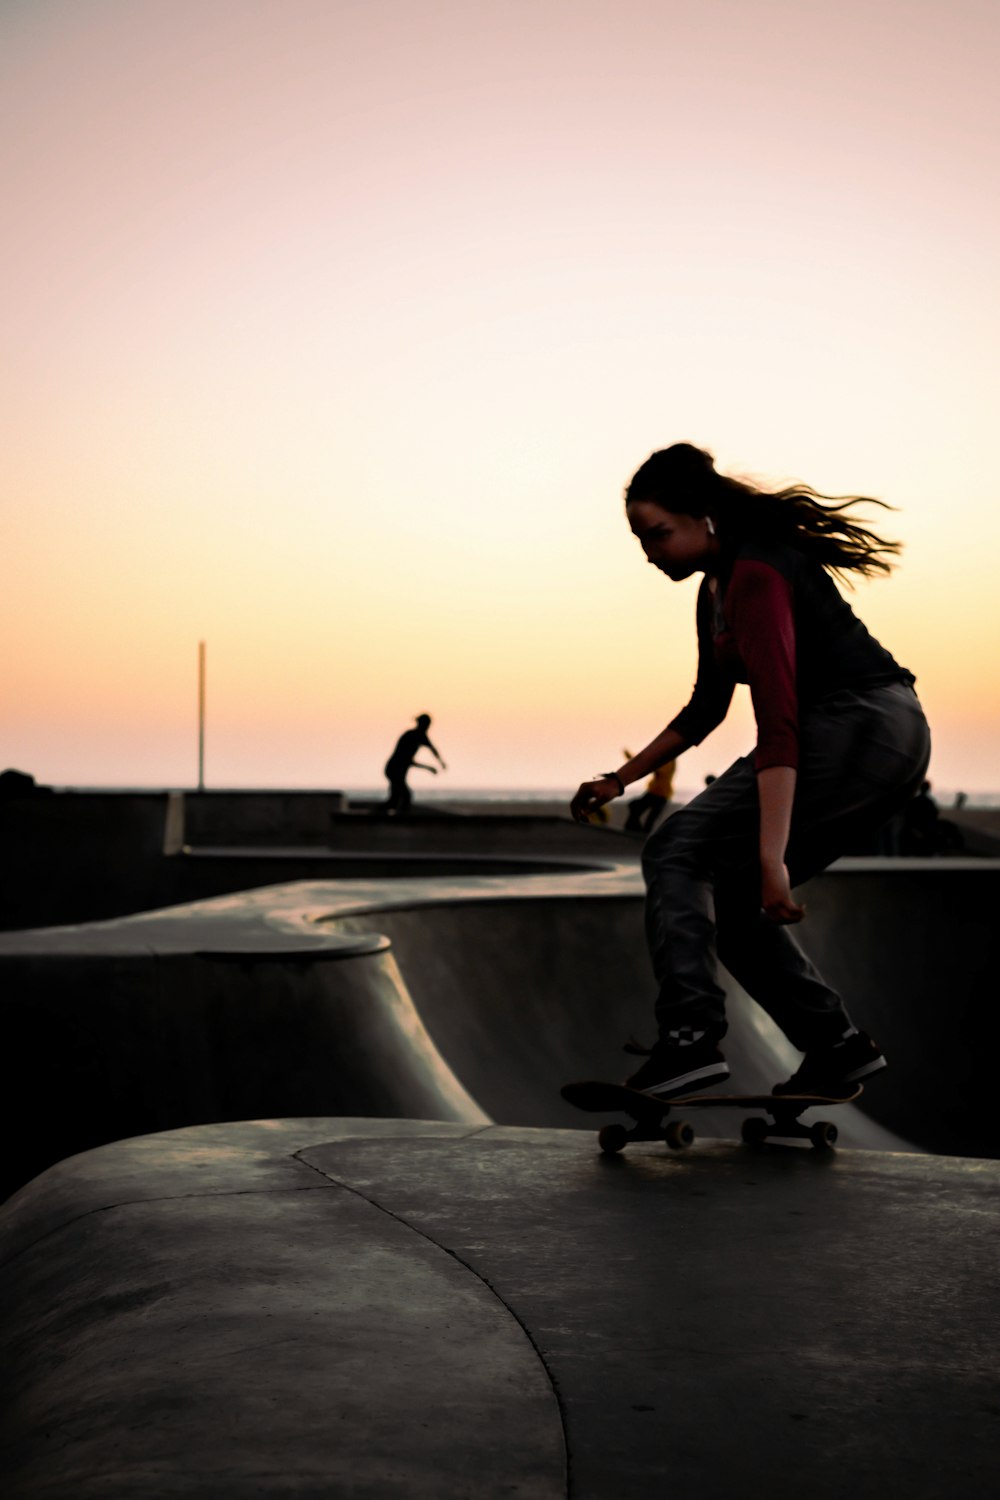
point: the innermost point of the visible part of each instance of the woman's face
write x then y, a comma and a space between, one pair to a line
678, 545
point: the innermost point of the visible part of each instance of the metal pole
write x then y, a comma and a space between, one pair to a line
201, 716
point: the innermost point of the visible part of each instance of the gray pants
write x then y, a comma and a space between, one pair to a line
862, 755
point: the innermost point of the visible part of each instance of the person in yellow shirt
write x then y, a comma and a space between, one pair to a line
644, 812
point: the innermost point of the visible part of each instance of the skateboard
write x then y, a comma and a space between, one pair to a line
653, 1122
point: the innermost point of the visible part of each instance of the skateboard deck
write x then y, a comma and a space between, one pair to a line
653, 1123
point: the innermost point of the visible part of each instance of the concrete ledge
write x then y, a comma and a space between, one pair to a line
250, 1156
245, 816
200, 874
429, 831
115, 1037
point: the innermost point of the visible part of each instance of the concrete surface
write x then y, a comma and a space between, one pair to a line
229, 1008
116, 1032
371, 1308
289, 1001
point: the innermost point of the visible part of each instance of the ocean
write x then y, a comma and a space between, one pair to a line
945, 798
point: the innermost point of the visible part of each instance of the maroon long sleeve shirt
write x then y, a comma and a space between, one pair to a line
777, 622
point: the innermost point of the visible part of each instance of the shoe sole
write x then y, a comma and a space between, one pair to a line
703, 1077
866, 1070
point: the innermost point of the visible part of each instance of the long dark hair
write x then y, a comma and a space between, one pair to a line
683, 479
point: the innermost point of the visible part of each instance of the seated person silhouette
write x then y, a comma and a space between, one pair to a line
924, 831
400, 761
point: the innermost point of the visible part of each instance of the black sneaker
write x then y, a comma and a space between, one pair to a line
672, 1069
833, 1070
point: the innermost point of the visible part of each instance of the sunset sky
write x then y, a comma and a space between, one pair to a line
333, 331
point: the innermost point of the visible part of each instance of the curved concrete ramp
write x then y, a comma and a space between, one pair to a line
372, 1308
914, 945
520, 991
521, 986
524, 993
116, 1037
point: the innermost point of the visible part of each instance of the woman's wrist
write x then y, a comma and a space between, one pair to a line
614, 776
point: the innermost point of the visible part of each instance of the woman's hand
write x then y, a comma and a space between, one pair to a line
591, 796
776, 896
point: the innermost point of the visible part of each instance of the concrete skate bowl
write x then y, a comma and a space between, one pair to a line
522, 993
525, 992
290, 1002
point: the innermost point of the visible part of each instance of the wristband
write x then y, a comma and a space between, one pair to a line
614, 776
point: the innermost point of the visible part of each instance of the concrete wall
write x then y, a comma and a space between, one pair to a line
912, 945
83, 856
234, 819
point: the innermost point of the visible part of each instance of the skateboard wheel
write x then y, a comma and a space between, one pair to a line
754, 1130
679, 1135
612, 1138
823, 1135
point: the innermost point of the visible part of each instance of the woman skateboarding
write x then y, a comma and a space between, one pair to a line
842, 744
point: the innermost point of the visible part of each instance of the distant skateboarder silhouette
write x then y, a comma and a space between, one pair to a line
400, 761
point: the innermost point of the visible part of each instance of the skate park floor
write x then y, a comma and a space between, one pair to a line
330, 1306
375, 1308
